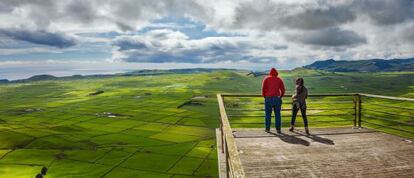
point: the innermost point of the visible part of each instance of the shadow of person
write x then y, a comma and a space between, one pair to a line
321, 139
292, 139
316, 138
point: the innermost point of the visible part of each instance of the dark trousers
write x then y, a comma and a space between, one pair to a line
295, 112
273, 103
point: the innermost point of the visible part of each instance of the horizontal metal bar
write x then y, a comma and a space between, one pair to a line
402, 130
387, 97
289, 109
248, 103
310, 95
391, 114
333, 102
309, 103
314, 121
230, 109
254, 103
390, 120
241, 115
390, 106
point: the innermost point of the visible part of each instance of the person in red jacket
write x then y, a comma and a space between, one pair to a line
273, 90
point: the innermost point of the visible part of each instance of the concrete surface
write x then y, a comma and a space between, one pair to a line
328, 152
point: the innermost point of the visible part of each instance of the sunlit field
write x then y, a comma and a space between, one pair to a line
163, 125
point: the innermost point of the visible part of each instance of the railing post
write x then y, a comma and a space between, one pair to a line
221, 133
355, 99
359, 110
222, 137
228, 171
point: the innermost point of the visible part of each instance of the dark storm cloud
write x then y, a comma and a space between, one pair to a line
41, 37
333, 37
319, 18
268, 15
82, 11
386, 12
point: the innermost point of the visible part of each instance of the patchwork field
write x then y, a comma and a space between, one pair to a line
147, 126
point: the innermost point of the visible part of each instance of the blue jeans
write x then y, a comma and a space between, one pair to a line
273, 103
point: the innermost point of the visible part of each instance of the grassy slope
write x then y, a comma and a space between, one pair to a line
72, 136
151, 136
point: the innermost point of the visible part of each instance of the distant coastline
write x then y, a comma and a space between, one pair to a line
143, 72
331, 65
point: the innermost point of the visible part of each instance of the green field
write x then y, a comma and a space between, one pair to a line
150, 126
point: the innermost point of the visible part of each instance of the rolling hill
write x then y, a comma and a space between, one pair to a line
372, 65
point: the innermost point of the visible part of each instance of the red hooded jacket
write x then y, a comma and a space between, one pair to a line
273, 85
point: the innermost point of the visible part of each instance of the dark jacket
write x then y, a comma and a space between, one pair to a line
299, 98
272, 85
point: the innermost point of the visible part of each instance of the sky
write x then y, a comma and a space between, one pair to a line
67, 37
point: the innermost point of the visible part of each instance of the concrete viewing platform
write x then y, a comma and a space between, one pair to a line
327, 152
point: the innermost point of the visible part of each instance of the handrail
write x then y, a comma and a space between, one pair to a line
288, 109
287, 94
386, 97
234, 164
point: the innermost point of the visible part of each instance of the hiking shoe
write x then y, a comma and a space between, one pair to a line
267, 130
307, 131
291, 129
278, 131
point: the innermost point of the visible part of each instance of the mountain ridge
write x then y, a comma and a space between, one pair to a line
143, 72
370, 65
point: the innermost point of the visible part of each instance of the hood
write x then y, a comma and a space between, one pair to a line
273, 72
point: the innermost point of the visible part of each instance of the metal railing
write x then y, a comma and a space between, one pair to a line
376, 114
352, 107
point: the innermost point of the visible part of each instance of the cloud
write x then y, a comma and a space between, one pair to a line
386, 12
129, 15
276, 15
312, 19
160, 46
307, 15
82, 11
126, 15
242, 30
114, 15
330, 37
41, 37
